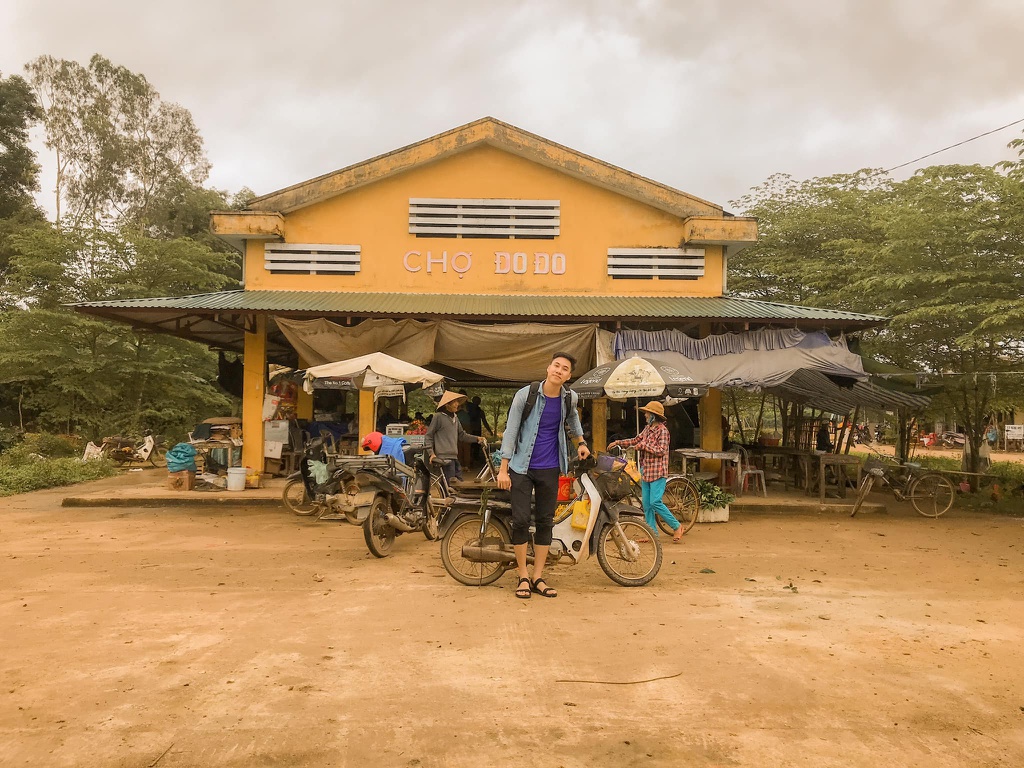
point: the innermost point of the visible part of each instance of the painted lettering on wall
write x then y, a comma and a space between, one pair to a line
505, 262
519, 263
460, 262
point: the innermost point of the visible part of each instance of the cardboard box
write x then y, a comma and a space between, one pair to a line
181, 481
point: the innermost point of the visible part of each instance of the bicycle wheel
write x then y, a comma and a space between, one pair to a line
295, 498
932, 494
466, 530
158, 458
862, 492
635, 560
683, 500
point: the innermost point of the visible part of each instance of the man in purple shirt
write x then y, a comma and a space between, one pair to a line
534, 452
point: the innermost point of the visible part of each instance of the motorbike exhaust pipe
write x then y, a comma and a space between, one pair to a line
397, 523
487, 554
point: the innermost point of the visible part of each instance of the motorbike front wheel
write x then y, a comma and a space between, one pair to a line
432, 523
379, 535
296, 499
435, 504
633, 561
464, 531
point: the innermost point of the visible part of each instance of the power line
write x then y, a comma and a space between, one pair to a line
959, 143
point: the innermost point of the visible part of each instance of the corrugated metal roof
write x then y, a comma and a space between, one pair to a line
525, 306
818, 391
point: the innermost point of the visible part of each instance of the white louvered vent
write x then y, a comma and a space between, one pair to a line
660, 263
512, 219
311, 259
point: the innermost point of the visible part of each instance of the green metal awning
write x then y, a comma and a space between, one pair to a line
219, 319
473, 306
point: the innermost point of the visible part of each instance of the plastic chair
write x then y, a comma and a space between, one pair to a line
748, 470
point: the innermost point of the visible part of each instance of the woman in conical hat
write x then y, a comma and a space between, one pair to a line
445, 433
652, 445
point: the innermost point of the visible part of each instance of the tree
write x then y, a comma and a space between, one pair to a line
75, 372
941, 253
951, 262
812, 237
19, 171
118, 146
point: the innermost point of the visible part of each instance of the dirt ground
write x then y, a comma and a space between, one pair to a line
250, 637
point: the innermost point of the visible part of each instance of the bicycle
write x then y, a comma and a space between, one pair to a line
682, 497
930, 493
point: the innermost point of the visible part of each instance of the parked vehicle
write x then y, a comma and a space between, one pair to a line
129, 450
476, 544
930, 492
402, 500
952, 439
385, 496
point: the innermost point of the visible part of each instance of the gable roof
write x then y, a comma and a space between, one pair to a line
491, 132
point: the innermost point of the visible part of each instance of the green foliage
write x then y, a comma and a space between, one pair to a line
1010, 474
940, 253
938, 462
19, 172
713, 497
119, 147
52, 446
132, 222
22, 470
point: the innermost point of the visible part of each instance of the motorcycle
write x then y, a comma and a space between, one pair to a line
953, 439
476, 544
128, 450
387, 497
402, 500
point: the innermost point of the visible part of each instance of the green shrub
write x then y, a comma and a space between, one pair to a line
52, 446
1010, 474
713, 497
937, 462
8, 437
20, 473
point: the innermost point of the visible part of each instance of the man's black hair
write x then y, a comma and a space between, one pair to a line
567, 356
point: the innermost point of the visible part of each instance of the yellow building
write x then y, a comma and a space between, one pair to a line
484, 227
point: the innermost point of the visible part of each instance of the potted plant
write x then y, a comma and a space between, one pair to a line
714, 503
769, 438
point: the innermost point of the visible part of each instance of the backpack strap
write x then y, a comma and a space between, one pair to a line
531, 402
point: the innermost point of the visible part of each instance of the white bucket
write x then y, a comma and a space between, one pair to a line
236, 478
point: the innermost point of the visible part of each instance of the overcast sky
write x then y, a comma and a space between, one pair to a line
708, 97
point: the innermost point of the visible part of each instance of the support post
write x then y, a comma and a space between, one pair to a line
711, 428
367, 423
599, 423
254, 388
304, 402
710, 419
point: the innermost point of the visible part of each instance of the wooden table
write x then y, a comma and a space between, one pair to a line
835, 460
204, 447
796, 463
723, 456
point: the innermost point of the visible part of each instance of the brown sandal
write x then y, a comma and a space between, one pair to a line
523, 593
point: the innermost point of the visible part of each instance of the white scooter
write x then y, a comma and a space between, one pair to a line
476, 544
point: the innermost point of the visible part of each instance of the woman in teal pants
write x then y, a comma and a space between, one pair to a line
652, 446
